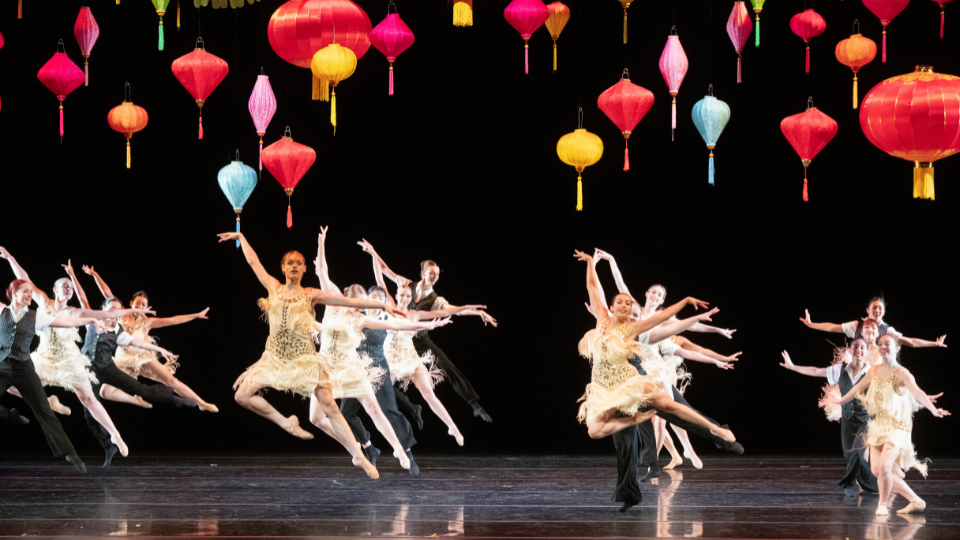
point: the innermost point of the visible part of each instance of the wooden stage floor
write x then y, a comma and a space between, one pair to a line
472, 497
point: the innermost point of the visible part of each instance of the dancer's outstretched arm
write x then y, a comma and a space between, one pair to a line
39, 296
179, 319
688, 345
377, 268
101, 284
697, 357
141, 344
81, 294
403, 326
674, 326
823, 327
269, 282
593, 289
809, 371
911, 383
857, 389
916, 342
599, 254
86, 312
636, 328
65, 322
328, 299
391, 275
323, 271
469, 309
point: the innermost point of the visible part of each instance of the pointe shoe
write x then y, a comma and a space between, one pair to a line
456, 435
882, 510
367, 467
724, 434
295, 429
914, 507
404, 460
77, 463
142, 403
58, 407
208, 407
900, 473
677, 460
122, 446
693, 458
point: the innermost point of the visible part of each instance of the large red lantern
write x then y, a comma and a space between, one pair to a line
915, 117
300, 28
61, 76
200, 73
626, 104
288, 161
526, 16
391, 37
808, 24
808, 132
885, 10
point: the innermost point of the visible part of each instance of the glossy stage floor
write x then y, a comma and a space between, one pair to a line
490, 497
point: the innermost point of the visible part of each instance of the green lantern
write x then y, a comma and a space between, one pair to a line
757, 8
161, 6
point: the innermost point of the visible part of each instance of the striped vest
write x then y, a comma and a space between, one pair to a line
16, 337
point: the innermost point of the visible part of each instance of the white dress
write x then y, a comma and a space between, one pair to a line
58, 360
351, 374
132, 359
403, 359
661, 362
892, 407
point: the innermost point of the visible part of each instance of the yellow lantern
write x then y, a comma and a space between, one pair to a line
331, 65
580, 149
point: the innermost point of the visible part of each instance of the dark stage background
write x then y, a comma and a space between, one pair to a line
460, 166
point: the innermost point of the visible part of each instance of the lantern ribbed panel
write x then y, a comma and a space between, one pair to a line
200, 73
738, 28
710, 116
127, 119
262, 104
807, 24
391, 37
856, 52
300, 28
673, 67
61, 76
463, 12
580, 149
808, 133
86, 30
885, 10
557, 16
237, 182
625, 104
288, 161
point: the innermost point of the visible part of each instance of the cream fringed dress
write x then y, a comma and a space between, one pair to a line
351, 374
403, 359
614, 383
290, 363
892, 408
58, 360
132, 359
660, 361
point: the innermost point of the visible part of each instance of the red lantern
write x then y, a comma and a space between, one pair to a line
808, 24
391, 37
288, 161
86, 31
300, 28
885, 10
200, 72
525, 16
808, 132
942, 2
626, 104
61, 76
915, 117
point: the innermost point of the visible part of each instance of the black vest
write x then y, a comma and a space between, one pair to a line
372, 344
425, 304
99, 348
17, 336
854, 408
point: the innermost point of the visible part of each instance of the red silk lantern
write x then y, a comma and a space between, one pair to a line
391, 37
738, 28
808, 24
200, 72
86, 31
1, 41
526, 16
942, 2
300, 28
626, 104
288, 161
855, 52
127, 118
808, 132
885, 10
61, 76
915, 117
673, 67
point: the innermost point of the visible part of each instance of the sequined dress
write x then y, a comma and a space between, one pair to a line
132, 359
290, 362
614, 383
351, 374
58, 360
892, 407
403, 359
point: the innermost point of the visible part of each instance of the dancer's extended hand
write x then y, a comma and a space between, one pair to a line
438, 322
367, 247
4, 254
732, 357
69, 268
394, 310
933, 399
203, 314
600, 254
697, 304
88, 270
323, 233
171, 358
806, 320
724, 365
940, 413
940, 342
706, 316
581, 256
226, 237
787, 363
486, 318
726, 332
143, 312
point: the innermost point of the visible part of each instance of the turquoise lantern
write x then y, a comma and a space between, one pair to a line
710, 115
237, 182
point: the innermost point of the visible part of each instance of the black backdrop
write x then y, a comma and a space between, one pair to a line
460, 166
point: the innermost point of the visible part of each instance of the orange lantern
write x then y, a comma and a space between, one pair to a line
855, 52
127, 118
558, 16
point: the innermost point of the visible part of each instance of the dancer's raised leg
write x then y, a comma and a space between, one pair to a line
155, 370
665, 440
247, 396
90, 401
424, 382
111, 393
373, 409
688, 451
342, 430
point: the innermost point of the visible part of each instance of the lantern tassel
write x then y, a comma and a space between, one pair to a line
390, 92
806, 196
855, 96
201, 127
61, 121
261, 153
579, 193
555, 56
923, 181
128, 153
710, 169
315, 90
289, 214
20, 8
738, 68
626, 157
624, 26
884, 44
463, 13
526, 59
756, 42
333, 110
941, 23
673, 118
160, 39
238, 230
808, 59
86, 73
178, 22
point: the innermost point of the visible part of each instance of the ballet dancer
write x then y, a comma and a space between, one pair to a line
135, 361
849, 366
892, 396
290, 362
876, 309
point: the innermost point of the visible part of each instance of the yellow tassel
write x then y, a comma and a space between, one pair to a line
463, 13
324, 90
624, 26
923, 181
20, 8
178, 16
128, 153
333, 110
579, 194
854, 91
554, 55
315, 91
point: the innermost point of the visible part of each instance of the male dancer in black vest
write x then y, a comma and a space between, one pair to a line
426, 299
18, 326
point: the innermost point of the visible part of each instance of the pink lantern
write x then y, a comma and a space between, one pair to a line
1, 41
61, 76
808, 24
626, 104
526, 16
738, 28
262, 106
391, 37
86, 31
673, 67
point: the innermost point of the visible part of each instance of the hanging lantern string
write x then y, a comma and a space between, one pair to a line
236, 76
625, 75
580, 117
809, 102
391, 5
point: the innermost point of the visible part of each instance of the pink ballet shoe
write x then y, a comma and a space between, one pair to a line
882, 510
58, 407
456, 435
122, 446
208, 407
676, 461
915, 507
295, 429
363, 463
694, 458
142, 403
404, 460
724, 434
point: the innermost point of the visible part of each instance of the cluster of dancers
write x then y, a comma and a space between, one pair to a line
636, 358
367, 342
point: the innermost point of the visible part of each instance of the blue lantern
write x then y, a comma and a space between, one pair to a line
710, 115
237, 182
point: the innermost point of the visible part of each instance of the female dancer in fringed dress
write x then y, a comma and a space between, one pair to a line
353, 375
876, 309
892, 396
58, 361
615, 385
406, 365
135, 361
290, 362
665, 359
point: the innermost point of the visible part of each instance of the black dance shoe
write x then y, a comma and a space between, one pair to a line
110, 451
626, 506
652, 473
414, 468
852, 491
479, 412
73, 458
418, 416
16, 419
372, 453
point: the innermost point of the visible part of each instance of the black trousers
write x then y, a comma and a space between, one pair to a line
386, 398
156, 394
858, 469
450, 372
24, 376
